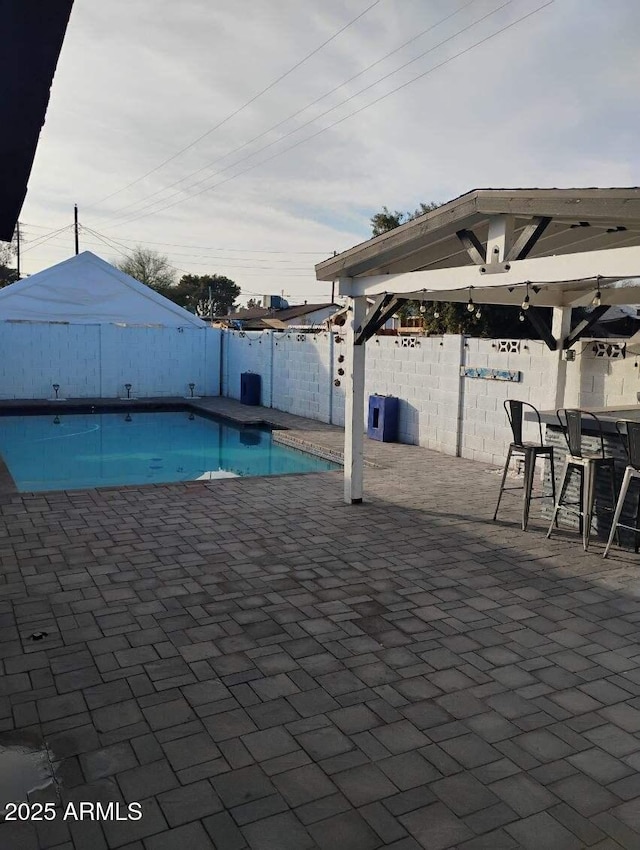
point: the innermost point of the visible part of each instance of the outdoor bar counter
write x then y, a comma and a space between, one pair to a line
613, 447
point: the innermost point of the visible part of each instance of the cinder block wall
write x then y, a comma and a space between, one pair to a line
594, 381
98, 360
439, 407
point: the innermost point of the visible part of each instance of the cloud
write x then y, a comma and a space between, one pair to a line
549, 102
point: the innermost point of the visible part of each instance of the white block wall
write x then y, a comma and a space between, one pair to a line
599, 381
485, 432
98, 360
438, 408
246, 352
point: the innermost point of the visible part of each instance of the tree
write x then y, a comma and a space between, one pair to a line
253, 302
386, 220
491, 321
205, 295
150, 268
7, 273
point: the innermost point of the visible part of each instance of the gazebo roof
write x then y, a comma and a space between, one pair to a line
580, 220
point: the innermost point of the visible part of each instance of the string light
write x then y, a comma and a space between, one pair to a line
436, 312
597, 298
423, 307
521, 316
525, 304
470, 305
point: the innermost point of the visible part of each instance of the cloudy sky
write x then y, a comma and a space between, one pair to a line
269, 132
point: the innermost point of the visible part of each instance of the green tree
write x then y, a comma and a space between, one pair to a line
149, 267
386, 220
8, 274
206, 294
489, 321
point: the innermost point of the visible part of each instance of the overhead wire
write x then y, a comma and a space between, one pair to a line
279, 266
377, 100
240, 108
299, 111
123, 250
137, 240
293, 131
45, 238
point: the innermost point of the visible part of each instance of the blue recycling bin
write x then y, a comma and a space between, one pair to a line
250, 387
383, 418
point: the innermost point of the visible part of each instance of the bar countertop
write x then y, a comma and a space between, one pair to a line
607, 415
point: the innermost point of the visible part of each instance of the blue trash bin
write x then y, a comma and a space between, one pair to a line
383, 418
250, 387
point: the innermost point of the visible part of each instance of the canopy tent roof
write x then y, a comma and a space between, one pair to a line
32, 35
87, 290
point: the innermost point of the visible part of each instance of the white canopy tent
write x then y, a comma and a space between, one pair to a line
87, 290
562, 248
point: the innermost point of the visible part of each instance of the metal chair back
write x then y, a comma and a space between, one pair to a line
630, 433
570, 420
515, 414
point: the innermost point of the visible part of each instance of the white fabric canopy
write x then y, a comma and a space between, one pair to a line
87, 290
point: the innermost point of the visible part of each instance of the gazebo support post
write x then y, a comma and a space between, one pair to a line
354, 404
560, 329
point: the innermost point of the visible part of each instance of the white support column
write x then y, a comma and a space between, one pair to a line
354, 404
560, 328
500, 237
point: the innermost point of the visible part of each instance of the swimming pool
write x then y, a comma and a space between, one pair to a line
76, 451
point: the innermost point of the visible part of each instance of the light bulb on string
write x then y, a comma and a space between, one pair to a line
423, 307
470, 305
436, 312
478, 313
521, 316
525, 304
597, 298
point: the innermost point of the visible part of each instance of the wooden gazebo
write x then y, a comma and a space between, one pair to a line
560, 248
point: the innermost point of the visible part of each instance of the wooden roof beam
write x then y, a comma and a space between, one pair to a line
528, 238
473, 246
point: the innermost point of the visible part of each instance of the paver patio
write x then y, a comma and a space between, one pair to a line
264, 667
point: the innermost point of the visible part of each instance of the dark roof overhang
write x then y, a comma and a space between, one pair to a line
32, 36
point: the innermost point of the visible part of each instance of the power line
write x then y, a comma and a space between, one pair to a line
136, 240
46, 238
228, 262
300, 111
137, 214
350, 115
110, 242
239, 109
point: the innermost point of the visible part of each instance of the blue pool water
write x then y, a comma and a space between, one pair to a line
75, 451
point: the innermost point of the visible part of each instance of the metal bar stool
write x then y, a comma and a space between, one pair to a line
587, 465
630, 434
531, 452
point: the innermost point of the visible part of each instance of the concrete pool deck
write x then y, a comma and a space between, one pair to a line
262, 666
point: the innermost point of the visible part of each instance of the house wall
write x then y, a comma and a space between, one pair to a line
439, 408
98, 360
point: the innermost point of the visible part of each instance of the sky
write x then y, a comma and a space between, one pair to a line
254, 140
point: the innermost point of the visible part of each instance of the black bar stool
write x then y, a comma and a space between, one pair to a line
630, 434
587, 465
530, 451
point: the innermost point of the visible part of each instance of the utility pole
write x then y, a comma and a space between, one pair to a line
75, 228
18, 249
